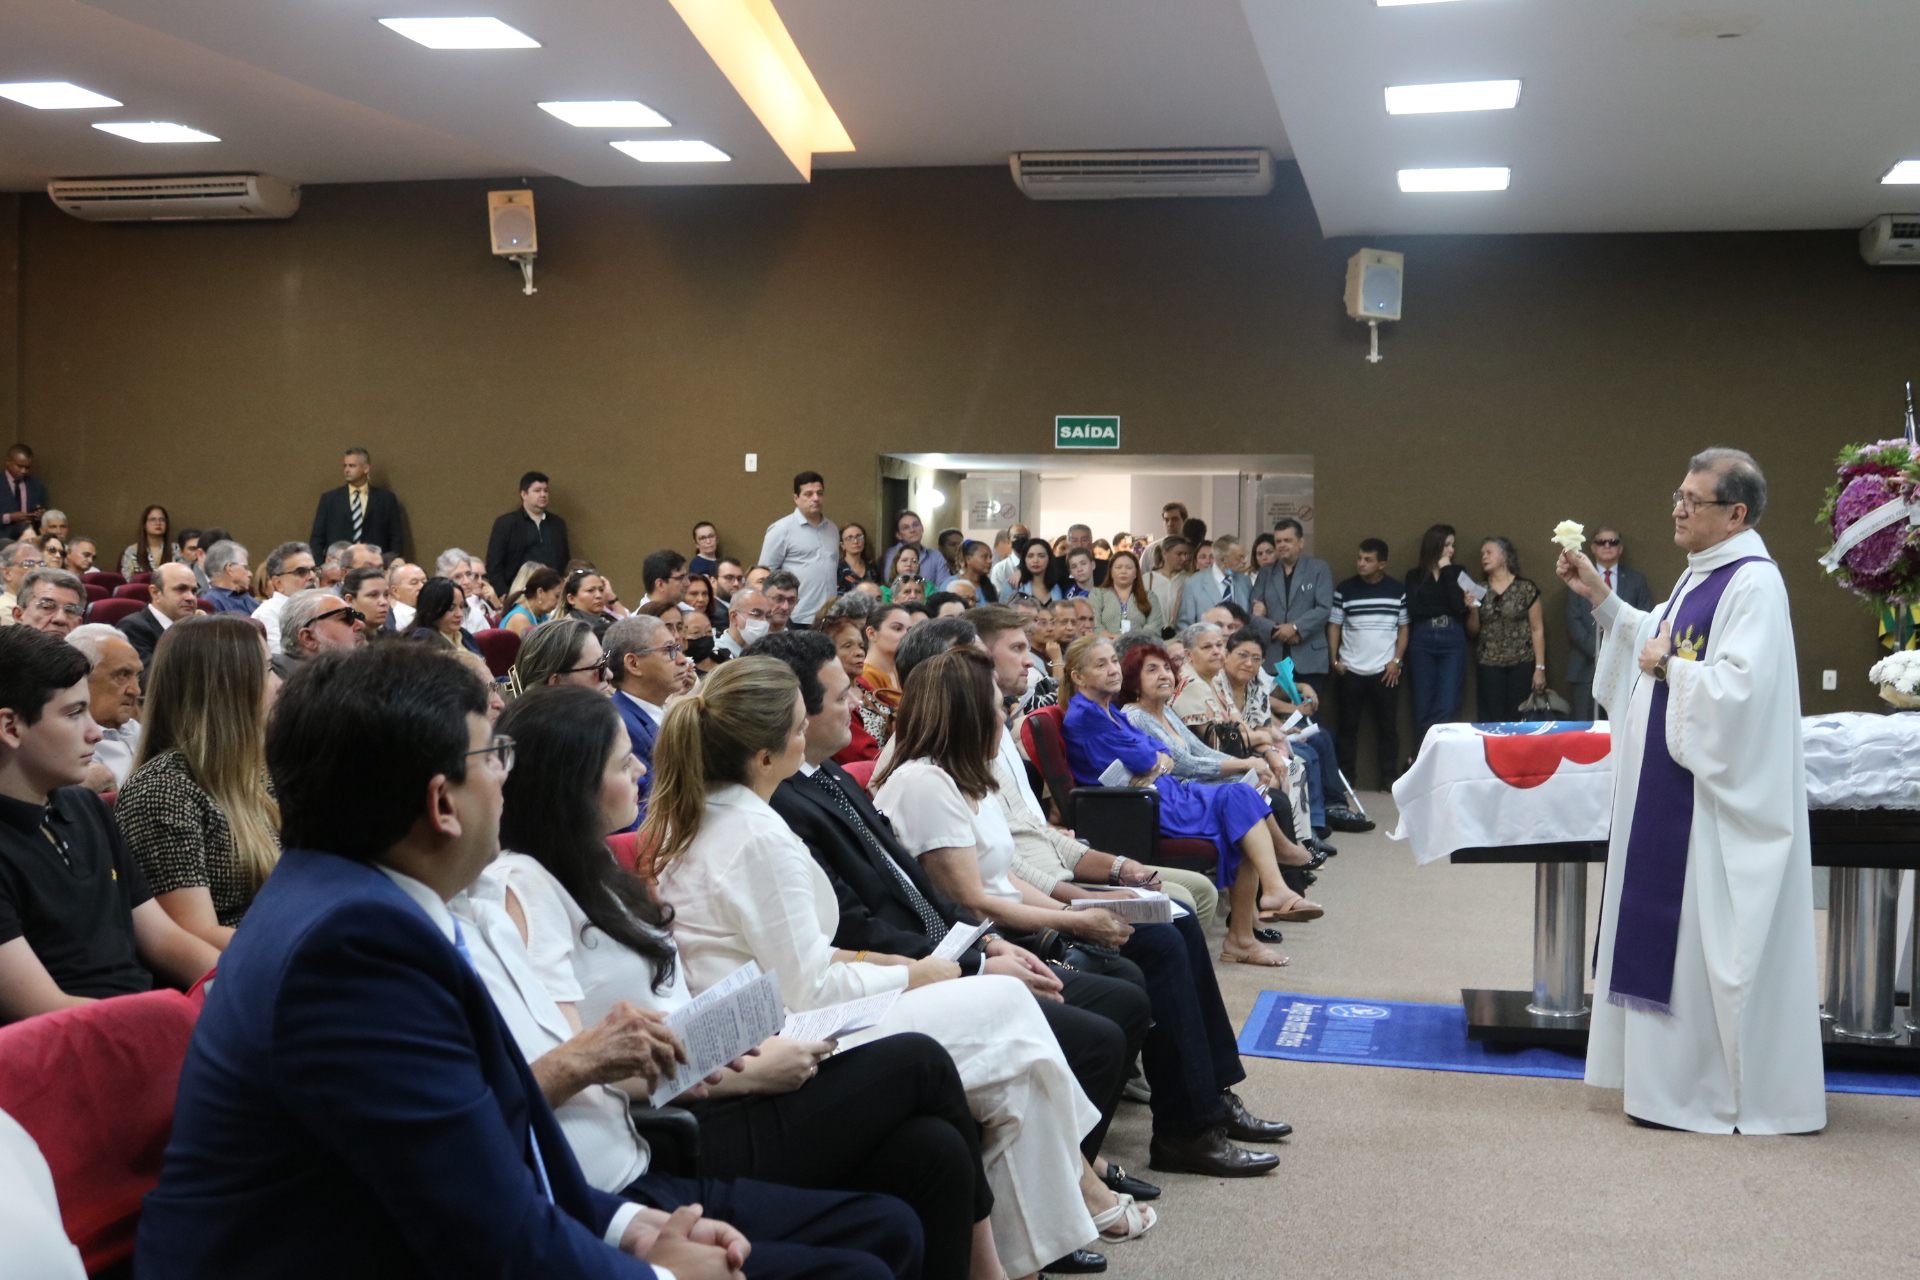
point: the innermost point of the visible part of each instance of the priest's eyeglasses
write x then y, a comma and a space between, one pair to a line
1692, 504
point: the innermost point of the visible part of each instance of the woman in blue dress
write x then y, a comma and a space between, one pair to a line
1235, 817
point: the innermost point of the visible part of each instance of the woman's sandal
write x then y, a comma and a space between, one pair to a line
1260, 957
1300, 910
1127, 1220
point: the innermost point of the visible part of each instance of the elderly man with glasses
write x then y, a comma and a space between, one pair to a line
229, 579
290, 569
51, 600
648, 666
1583, 637
17, 560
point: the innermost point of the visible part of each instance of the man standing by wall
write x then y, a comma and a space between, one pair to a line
1583, 638
1296, 593
529, 532
23, 499
1218, 583
357, 511
1368, 632
806, 544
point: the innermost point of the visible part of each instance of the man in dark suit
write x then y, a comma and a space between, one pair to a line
1295, 593
357, 511
1583, 637
23, 499
530, 532
1221, 583
888, 904
353, 1104
645, 664
174, 601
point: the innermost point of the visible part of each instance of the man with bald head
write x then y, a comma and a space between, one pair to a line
750, 618
113, 696
174, 600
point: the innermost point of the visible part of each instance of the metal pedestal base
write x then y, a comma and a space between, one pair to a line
1554, 1014
1503, 1018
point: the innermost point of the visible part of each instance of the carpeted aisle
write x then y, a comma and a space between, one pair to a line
1437, 1174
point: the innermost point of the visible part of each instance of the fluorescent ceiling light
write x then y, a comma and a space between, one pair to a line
753, 49
607, 115
1455, 179
1906, 173
155, 131
1465, 95
461, 33
54, 95
686, 152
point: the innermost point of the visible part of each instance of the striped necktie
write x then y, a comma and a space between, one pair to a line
929, 918
358, 506
533, 1139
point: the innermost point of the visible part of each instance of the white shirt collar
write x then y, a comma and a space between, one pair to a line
808, 770
1745, 543
162, 618
426, 899
659, 714
735, 796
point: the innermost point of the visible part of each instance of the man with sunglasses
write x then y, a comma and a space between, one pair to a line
1583, 637
316, 622
646, 664
289, 569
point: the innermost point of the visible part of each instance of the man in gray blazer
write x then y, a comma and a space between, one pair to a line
1583, 638
1226, 580
1295, 593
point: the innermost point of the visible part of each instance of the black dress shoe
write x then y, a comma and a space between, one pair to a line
1244, 1126
1081, 1262
1341, 818
1210, 1155
1269, 936
1318, 860
1122, 1183
1319, 846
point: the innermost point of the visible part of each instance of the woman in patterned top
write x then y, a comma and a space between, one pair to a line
1513, 637
198, 810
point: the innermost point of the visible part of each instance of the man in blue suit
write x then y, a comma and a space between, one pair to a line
1224, 581
648, 666
352, 1104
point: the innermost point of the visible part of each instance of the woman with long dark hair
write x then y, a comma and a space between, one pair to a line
976, 566
1035, 575
1124, 604
564, 651
1439, 605
856, 561
890, 1116
154, 547
438, 613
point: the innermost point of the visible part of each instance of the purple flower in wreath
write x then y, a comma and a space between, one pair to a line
1880, 562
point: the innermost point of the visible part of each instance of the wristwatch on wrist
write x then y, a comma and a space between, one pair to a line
1113, 872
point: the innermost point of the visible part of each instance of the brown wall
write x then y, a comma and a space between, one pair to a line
9, 316
221, 369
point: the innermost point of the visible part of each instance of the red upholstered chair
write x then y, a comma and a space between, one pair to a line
141, 578
111, 611
1124, 821
861, 771
103, 578
499, 647
94, 1085
622, 844
134, 591
95, 591
206, 606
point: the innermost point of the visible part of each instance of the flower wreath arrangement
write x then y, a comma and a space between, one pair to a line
1871, 510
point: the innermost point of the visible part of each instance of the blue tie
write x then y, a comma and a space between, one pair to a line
539, 1162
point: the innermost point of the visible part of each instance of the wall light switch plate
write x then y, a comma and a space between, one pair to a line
1829, 679
753, 462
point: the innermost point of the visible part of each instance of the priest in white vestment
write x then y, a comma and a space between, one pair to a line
1706, 1002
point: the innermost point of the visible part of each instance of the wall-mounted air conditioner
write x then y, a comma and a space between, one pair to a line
1891, 240
176, 197
1119, 175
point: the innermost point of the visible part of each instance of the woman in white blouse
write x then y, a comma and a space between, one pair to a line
743, 887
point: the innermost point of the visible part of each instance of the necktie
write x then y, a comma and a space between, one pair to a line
929, 918
1609, 578
533, 1139
358, 506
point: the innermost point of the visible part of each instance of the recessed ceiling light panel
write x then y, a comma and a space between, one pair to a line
461, 33
1487, 179
686, 152
607, 115
1464, 95
1904, 174
54, 95
1387, 4
154, 131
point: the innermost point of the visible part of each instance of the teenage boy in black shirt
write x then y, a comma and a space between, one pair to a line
77, 923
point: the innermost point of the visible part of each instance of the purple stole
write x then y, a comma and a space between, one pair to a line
1648, 932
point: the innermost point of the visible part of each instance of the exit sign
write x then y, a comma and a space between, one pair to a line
1084, 431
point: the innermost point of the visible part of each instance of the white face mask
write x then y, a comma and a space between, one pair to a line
752, 629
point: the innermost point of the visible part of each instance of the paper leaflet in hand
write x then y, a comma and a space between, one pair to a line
1116, 775
1145, 907
1292, 722
721, 1023
958, 939
836, 1021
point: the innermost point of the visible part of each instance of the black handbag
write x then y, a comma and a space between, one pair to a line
1224, 735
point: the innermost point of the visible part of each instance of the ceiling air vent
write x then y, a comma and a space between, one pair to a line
1891, 240
1118, 175
176, 197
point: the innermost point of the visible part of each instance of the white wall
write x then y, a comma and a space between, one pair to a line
1102, 502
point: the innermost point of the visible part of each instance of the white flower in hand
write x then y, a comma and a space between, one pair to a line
1570, 535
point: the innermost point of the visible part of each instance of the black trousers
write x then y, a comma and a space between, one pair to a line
1380, 701
1501, 690
800, 1234
889, 1116
1191, 1053
1103, 1023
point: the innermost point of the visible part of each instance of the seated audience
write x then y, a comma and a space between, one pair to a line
564, 651
51, 600
349, 1068
534, 601
403, 591
699, 599
113, 699
468, 573
647, 667
53, 551
728, 577
193, 554
229, 579
749, 617
949, 543
706, 549
288, 568
439, 616
945, 604
855, 564
1080, 566
1235, 817
199, 812
890, 1116
80, 555
154, 547
879, 689
903, 563
782, 591
172, 590
698, 636
366, 590
333, 566
54, 524
1035, 573
584, 596
976, 569
843, 623
316, 622
743, 887
79, 925
17, 559
664, 575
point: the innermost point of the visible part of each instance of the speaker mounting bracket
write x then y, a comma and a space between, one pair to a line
526, 270
1373, 333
